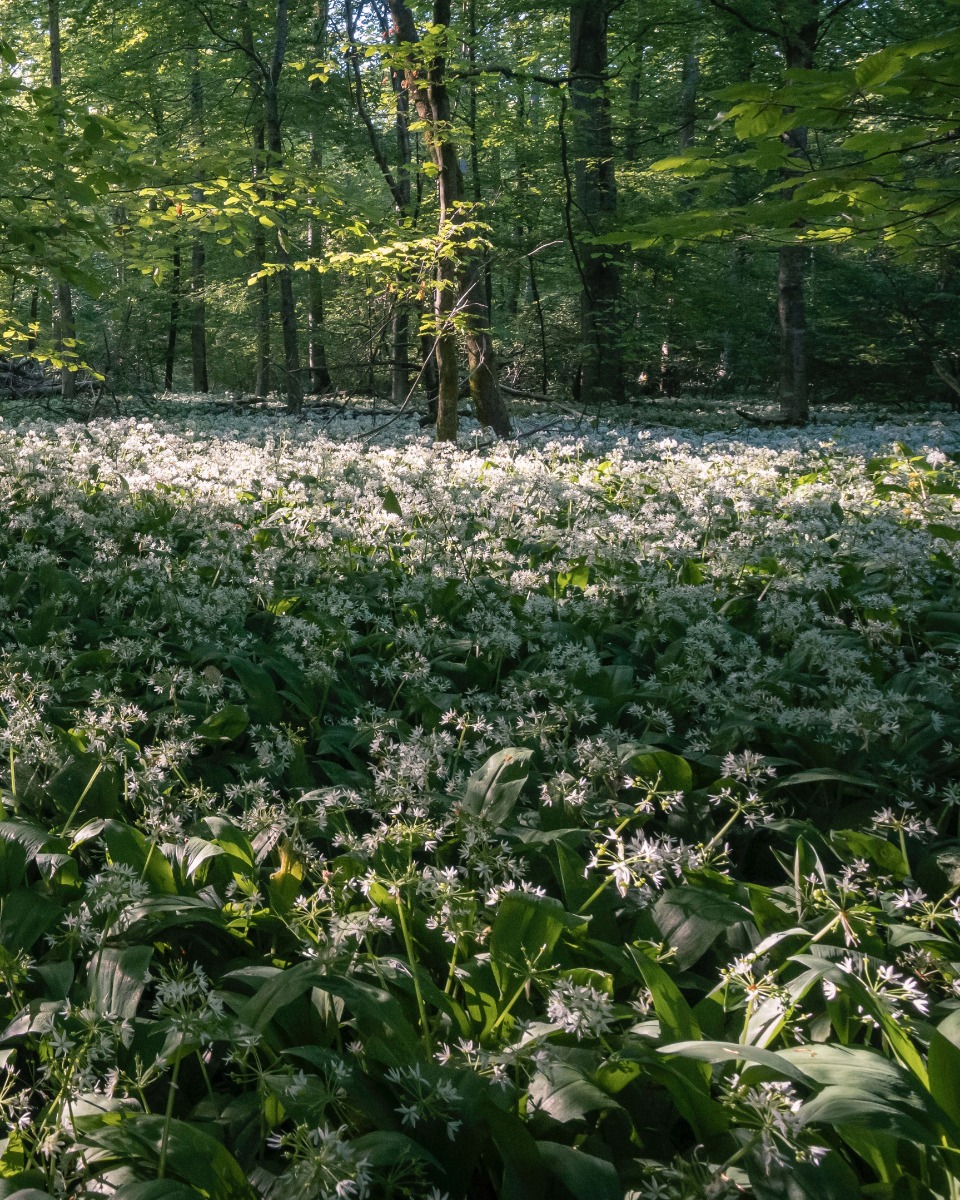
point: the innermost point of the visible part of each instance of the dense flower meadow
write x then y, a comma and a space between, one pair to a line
577, 816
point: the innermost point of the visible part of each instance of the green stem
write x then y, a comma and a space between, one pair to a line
599, 892
167, 1118
903, 851
723, 832
504, 1013
414, 971
451, 974
83, 795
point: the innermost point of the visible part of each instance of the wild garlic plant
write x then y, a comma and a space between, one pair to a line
384, 819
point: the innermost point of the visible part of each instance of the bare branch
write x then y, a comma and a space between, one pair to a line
745, 20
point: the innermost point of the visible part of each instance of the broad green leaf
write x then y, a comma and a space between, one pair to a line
525, 931
825, 775
24, 917
692, 918
564, 1087
390, 502
672, 772
849, 1104
493, 790
258, 684
117, 979
225, 725
128, 845
584, 1175
943, 1065
157, 1189
192, 1156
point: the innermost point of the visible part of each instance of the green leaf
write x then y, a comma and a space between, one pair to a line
377, 1014
943, 1065
128, 845
673, 772
192, 1156
692, 918
948, 533
117, 979
585, 1175
564, 1087
493, 790
826, 775
385, 1148
258, 684
850, 1105
225, 725
876, 850
525, 931
390, 502
24, 917
878, 68
157, 1189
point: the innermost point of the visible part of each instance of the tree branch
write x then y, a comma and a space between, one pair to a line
745, 20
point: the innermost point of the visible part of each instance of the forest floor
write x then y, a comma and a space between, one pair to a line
574, 814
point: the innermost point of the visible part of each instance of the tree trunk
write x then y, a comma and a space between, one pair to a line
602, 373
688, 91
32, 324
793, 331
320, 380
66, 326
316, 349
171, 355
459, 276
293, 385
399, 184
261, 386
198, 254
198, 316
799, 52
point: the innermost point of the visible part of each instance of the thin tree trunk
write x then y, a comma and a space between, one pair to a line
198, 254
399, 184
800, 50
171, 355
66, 326
32, 324
293, 384
688, 91
198, 316
261, 385
319, 371
602, 377
458, 283
320, 380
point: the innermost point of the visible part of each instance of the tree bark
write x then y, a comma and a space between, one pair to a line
261, 387
293, 384
319, 371
799, 52
198, 254
174, 322
601, 371
459, 283
66, 325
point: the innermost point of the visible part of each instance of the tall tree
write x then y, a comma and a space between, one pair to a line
459, 283
601, 365
198, 253
255, 78
797, 28
66, 326
293, 384
319, 372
